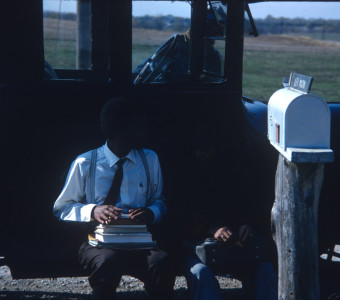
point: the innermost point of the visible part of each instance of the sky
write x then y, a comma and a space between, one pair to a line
330, 10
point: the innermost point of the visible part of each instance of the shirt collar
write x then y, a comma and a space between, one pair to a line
113, 158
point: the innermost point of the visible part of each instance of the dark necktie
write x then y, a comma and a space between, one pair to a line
113, 194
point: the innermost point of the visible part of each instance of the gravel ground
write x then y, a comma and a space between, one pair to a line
78, 288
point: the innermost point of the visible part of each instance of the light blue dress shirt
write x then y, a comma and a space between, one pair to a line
74, 203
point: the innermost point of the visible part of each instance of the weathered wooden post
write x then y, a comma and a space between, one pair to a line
294, 224
299, 127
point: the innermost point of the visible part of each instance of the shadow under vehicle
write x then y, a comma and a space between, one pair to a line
47, 119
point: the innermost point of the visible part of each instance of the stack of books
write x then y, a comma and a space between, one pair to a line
123, 234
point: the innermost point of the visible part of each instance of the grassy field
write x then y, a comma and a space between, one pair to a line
60, 54
326, 36
60, 43
140, 53
267, 59
264, 70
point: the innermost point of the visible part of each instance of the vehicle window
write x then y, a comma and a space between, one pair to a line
67, 34
215, 35
294, 37
161, 40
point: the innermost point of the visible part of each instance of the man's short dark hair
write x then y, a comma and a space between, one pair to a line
117, 113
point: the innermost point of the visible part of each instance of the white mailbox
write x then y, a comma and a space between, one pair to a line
299, 126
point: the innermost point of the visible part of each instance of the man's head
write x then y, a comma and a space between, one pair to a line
122, 119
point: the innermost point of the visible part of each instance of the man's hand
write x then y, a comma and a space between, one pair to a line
142, 215
104, 213
223, 234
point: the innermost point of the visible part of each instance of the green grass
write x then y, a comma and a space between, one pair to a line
264, 70
140, 53
61, 54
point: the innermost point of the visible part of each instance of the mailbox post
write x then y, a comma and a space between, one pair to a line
299, 128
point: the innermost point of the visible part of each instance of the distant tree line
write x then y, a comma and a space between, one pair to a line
61, 16
168, 22
271, 25
268, 25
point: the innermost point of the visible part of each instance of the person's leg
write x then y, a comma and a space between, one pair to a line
202, 284
266, 282
157, 273
106, 268
259, 281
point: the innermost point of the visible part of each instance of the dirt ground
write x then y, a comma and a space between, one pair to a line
285, 43
78, 288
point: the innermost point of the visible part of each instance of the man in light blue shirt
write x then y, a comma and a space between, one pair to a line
75, 204
84, 199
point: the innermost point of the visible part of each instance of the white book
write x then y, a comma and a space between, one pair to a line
124, 237
121, 229
124, 216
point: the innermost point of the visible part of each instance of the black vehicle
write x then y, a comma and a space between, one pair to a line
49, 114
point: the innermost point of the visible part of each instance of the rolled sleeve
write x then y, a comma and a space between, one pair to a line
70, 205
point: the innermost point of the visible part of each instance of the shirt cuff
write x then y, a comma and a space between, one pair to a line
86, 212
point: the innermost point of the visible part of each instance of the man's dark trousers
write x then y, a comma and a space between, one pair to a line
106, 267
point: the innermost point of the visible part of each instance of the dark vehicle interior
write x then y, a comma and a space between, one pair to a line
49, 116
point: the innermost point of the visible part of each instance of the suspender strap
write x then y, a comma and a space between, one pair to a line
147, 172
93, 174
